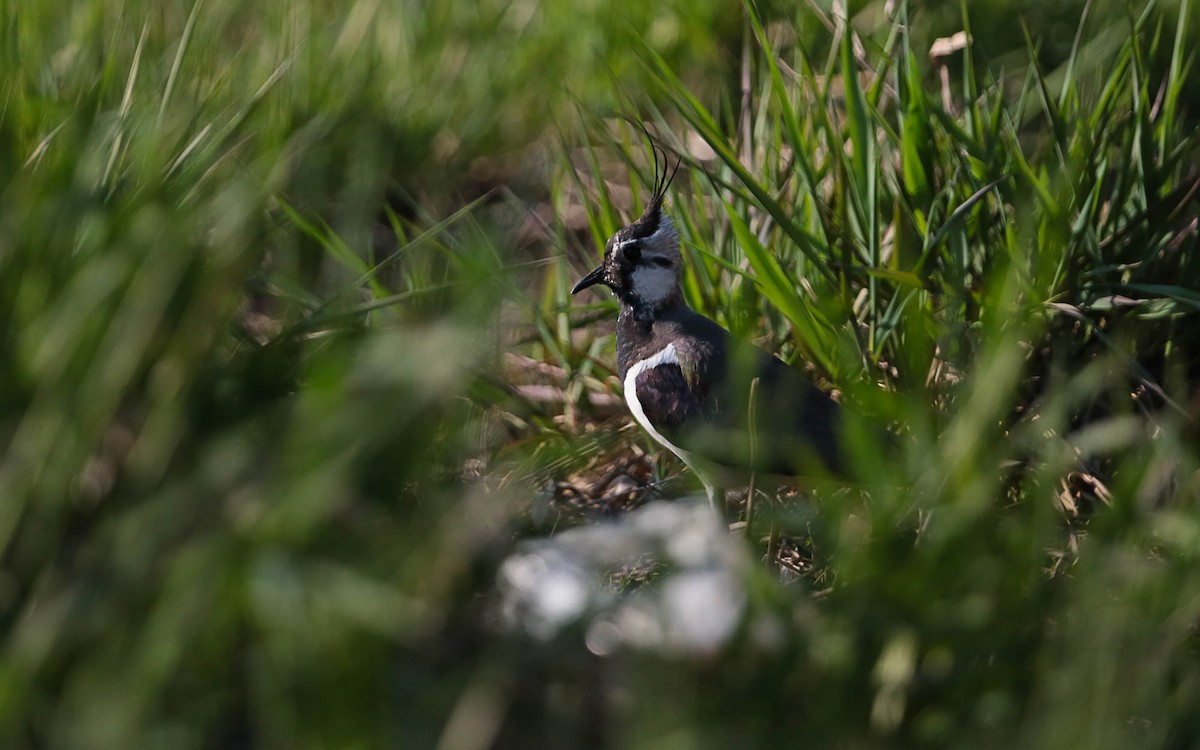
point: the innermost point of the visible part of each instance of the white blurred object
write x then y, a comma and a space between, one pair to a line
694, 606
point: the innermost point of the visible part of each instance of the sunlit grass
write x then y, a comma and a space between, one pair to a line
289, 366
978, 266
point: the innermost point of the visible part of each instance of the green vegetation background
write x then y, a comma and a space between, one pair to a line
261, 263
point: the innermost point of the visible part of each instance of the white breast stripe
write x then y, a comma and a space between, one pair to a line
667, 356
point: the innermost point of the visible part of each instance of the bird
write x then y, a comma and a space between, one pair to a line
719, 403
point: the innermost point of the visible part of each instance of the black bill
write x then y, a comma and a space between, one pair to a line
593, 278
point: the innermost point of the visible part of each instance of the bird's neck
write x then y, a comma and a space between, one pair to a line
636, 337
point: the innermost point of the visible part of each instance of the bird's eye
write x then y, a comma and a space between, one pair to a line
633, 250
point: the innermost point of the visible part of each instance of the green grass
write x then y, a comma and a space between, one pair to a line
997, 279
261, 452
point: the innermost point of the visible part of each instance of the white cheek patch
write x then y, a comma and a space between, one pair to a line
653, 284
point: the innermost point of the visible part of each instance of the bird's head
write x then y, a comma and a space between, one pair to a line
642, 262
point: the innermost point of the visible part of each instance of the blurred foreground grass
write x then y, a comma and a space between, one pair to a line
261, 454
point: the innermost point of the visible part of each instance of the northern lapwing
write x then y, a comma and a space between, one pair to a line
715, 401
